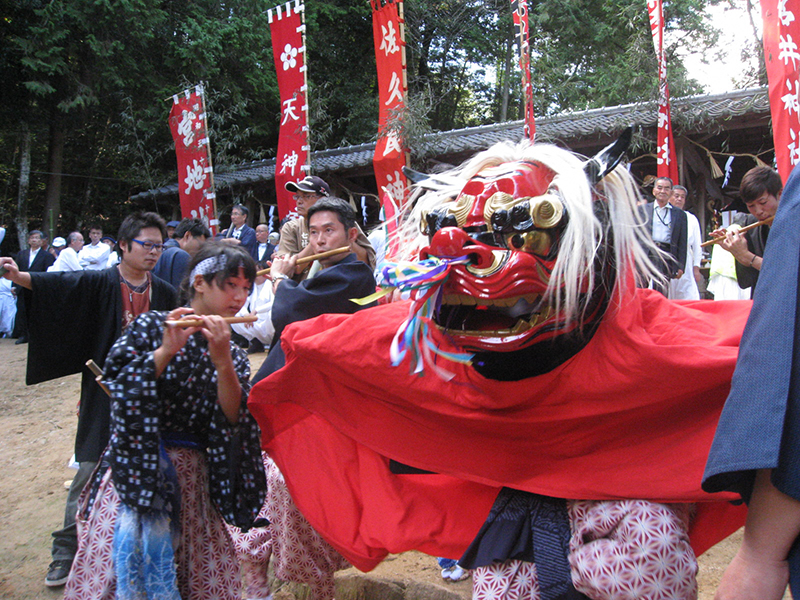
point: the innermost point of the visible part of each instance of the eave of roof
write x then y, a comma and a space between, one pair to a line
695, 113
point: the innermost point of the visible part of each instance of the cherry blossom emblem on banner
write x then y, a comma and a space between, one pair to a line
289, 52
781, 38
187, 121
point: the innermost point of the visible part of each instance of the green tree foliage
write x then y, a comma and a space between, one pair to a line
90, 81
101, 72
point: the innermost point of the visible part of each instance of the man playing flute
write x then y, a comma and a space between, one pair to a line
88, 310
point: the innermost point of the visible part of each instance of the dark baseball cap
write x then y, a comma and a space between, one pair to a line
173, 223
311, 184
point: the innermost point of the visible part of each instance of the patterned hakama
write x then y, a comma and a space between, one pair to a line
619, 550
205, 559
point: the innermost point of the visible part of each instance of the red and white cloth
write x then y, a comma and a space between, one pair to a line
390, 153
521, 23
187, 122
666, 158
781, 39
205, 558
619, 550
286, 25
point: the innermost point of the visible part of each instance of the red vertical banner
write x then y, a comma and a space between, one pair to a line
521, 24
187, 122
665, 153
781, 37
390, 58
286, 24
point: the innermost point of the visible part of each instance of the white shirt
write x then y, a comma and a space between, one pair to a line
662, 219
259, 301
94, 257
685, 288
67, 260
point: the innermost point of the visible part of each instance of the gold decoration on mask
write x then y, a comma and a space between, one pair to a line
546, 211
461, 207
499, 258
532, 242
499, 201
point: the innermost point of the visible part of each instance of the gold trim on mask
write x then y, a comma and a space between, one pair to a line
546, 211
499, 201
461, 207
499, 258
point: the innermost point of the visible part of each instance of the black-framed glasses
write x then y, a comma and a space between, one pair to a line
150, 246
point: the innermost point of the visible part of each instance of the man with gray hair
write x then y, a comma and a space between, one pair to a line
68, 258
687, 286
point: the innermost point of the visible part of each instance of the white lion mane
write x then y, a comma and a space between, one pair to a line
584, 234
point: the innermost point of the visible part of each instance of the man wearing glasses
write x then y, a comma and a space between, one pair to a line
294, 233
88, 310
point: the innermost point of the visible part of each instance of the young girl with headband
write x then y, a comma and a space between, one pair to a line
184, 452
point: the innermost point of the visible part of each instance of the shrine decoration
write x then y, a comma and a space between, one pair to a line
388, 27
665, 153
293, 161
520, 10
189, 127
781, 36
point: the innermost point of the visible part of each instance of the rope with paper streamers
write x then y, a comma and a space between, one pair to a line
425, 279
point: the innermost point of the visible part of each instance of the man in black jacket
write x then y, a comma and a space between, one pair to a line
36, 260
668, 227
89, 309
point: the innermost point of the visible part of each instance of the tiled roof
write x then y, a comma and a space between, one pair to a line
690, 114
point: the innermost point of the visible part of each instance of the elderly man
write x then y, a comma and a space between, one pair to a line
687, 287
760, 190
294, 233
239, 232
64, 335
265, 248
36, 259
667, 226
68, 258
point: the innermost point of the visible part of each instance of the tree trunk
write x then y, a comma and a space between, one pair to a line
24, 184
55, 162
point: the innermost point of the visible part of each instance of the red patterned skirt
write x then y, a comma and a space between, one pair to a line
205, 559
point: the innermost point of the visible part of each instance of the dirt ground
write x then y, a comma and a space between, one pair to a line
37, 428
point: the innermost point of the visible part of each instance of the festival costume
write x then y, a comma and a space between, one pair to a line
547, 390
260, 302
760, 425
294, 237
246, 236
176, 416
299, 553
756, 243
481, 429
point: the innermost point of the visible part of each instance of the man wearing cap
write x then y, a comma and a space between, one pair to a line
94, 257
189, 236
294, 233
68, 258
171, 225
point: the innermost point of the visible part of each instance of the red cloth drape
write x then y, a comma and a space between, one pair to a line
521, 23
630, 416
666, 158
289, 53
390, 154
187, 122
781, 39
